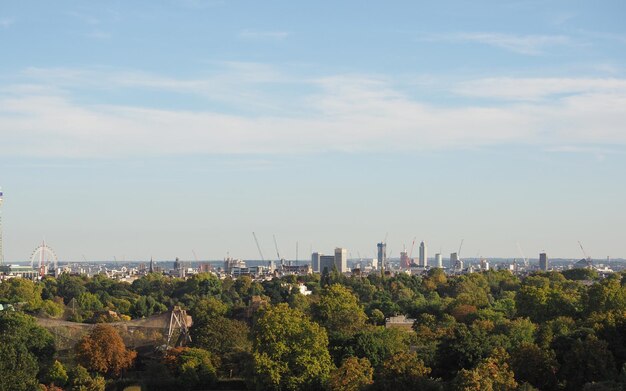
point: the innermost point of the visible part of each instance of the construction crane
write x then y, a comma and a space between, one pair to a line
460, 247
587, 257
194, 255
412, 247
523, 256
258, 247
276, 245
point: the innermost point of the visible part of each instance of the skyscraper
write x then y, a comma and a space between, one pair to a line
341, 259
423, 255
543, 261
405, 262
439, 260
382, 255
326, 262
315, 262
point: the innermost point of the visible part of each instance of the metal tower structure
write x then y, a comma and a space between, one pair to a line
1, 249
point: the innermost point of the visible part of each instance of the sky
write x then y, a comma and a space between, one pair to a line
131, 130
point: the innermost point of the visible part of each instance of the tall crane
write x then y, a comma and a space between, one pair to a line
258, 247
587, 257
412, 247
276, 245
523, 256
460, 247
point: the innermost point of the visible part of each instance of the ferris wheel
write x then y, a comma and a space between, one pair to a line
43, 256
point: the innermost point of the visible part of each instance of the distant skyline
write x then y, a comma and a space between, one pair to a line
158, 128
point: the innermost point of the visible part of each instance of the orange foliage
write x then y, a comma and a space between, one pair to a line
104, 351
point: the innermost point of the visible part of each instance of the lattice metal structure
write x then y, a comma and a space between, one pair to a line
165, 330
178, 332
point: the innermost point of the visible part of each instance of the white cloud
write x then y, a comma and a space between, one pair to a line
341, 113
263, 35
522, 44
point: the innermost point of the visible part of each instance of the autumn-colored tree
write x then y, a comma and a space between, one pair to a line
491, 374
402, 371
103, 351
355, 374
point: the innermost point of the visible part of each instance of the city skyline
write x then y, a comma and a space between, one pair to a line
138, 130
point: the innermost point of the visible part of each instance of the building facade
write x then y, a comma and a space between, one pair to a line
341, 259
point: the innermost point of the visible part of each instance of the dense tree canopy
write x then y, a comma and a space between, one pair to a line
484, 331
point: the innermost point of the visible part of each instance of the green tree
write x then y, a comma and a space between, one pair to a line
21, 291
228, 340
18, 367
290, 351
192, 367
354, 374
25, 350
403, 371
584, 360
339, 311
56, 375
534, 365
80, 380
377, 344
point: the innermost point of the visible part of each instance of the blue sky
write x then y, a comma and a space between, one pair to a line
158, 128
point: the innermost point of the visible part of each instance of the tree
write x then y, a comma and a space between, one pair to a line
403, 371
21, 291
491, 374
56, 374
339, 310
18, 367
228, 340
534, 365
377, 344
147, 306
290, 351
80, 380
355, 374
103, 351
25, 349
585, 360
192, 367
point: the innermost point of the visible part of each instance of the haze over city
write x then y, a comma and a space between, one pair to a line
153, 129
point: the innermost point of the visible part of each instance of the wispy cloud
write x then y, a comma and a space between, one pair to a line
5, 23
522, 44
338, 113
539, 88
263, 35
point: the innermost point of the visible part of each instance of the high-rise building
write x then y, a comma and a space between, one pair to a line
405, 261
315, 262
439, 260
423, 255
455, 262
543, 261
327, 262
341, 259
382, 255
